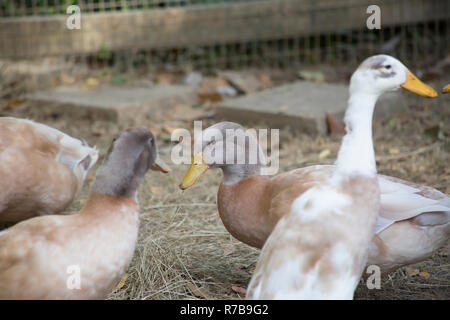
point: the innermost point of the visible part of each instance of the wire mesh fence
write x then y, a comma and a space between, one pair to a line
207, 34
12, 8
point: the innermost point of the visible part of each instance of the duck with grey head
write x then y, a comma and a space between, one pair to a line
413, 221
82, 256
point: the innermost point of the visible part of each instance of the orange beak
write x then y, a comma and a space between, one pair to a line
197, 168
160, 165
413, 84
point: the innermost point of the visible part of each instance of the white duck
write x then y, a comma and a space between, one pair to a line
42, 169
320, 247
82, 256
250, 204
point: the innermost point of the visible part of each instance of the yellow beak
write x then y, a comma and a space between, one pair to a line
415, 85
160, 165
197, 168
446, 89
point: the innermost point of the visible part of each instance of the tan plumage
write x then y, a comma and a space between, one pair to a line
40, 257
42, 169
250, 205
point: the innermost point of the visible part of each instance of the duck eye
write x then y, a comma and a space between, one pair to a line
388, 66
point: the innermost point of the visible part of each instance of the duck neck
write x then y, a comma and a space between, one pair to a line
233, 173
356, 154
116, 182
100, 204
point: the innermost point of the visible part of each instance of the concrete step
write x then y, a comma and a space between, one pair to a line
302, 106
113, 103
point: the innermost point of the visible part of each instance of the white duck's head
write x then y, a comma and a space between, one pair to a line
382, 73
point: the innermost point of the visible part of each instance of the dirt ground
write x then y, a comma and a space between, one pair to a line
184, 251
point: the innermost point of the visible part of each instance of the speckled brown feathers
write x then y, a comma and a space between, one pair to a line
334, 257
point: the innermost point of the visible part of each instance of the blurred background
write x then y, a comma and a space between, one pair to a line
264, 63
209, 34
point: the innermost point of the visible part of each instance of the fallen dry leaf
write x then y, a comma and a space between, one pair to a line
98, 131
13, 103
334, 125
311, 75
411, 271
265, 79
323, 154
156, 190
218, 82
424, 274
209, 84
210, 96
239, 290
122, 281
165, 78
201, 292
244, 82
394, 151
92, 82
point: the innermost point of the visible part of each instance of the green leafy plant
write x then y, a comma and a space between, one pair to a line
105, 52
